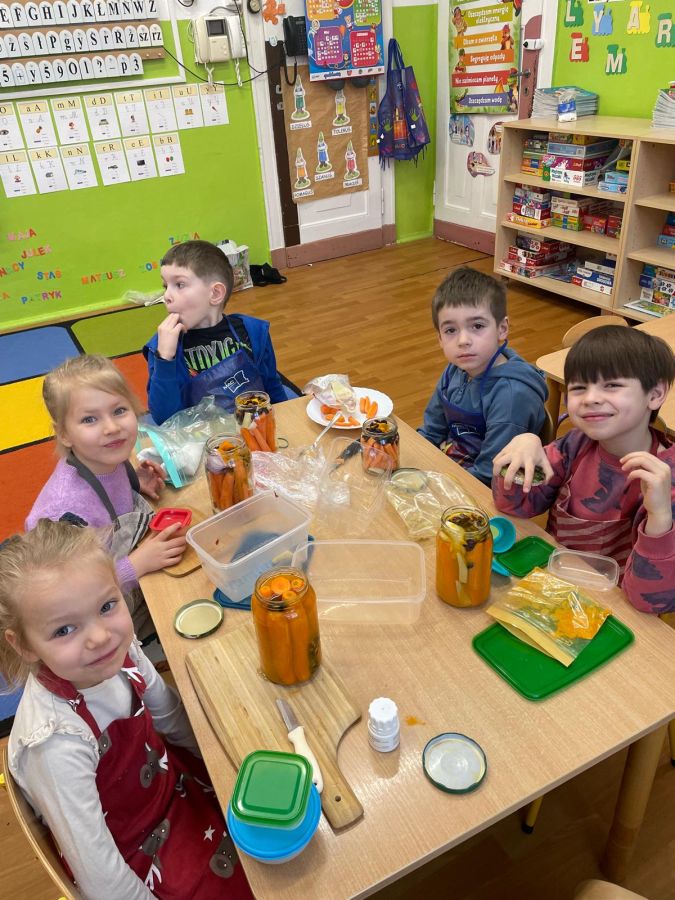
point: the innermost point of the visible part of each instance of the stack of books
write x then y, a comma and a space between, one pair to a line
546, 101
667, 236
657, 291
664, 111
533, 257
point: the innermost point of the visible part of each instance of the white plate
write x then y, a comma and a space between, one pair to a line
384, 408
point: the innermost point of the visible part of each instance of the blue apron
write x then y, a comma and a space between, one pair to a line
230, 376
466, 430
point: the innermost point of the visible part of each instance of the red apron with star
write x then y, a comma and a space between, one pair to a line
158, 802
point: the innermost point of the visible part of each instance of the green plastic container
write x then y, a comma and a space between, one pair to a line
272, 789
527, 554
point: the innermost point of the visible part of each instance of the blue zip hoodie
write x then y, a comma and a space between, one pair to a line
168, 378
512, 403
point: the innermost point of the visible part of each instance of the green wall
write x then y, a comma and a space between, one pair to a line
126, 227
648, 67
416, 30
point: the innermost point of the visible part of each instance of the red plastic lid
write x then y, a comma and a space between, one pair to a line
169, 516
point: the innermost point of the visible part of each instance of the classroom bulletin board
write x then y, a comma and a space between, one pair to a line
75, 250
622, 49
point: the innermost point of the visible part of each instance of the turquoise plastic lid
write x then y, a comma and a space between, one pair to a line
272, 789
276, 845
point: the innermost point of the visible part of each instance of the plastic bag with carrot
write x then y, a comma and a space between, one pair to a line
420, 498
335, 394
551, 615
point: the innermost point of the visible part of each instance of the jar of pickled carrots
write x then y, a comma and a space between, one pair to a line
463, 557
380, 441
287, 626
254, 416
228, 470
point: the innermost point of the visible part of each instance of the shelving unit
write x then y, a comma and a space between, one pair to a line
646, 203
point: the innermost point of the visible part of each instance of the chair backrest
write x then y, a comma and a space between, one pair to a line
549, 429
38, 835
581, 328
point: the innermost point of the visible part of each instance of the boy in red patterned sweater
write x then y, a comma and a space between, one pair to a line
610, 482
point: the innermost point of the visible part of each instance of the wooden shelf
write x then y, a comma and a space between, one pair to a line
566, 288
655, 256
636, 314
538, 182
665, 201
602, 126
580, 238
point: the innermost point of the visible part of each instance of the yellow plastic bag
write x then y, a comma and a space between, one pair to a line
552, 615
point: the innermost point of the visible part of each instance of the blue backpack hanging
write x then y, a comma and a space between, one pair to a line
402, 128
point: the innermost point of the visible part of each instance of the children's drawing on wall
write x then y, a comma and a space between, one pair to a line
639, 18
494, 140
323, 162
461, 130
351, 170
300, 111
477, 164
372, 93
603, 23
301, 179
341, 117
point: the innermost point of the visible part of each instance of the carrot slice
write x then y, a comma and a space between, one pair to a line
280, 584
362, 404
271, 425
257, 433
248, 438
227, 490
352, 421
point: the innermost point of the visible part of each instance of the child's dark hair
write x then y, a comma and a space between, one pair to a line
467, 287
206, 260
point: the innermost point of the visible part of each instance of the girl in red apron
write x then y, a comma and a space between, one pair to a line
134, 815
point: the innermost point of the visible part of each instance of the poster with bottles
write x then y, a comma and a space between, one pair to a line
484, 50
327, 136
344, 38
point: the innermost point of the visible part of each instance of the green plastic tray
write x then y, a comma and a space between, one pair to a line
525, 555
534, 674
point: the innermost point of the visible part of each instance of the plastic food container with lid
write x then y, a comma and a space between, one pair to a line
585, 569
239, 544
168, 516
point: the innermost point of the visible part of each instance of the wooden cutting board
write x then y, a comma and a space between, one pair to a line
189, 561
239, 704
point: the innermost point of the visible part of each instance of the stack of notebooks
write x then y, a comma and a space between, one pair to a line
664, 111
546, 101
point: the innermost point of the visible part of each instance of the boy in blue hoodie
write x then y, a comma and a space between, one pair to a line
487, 394
199, 350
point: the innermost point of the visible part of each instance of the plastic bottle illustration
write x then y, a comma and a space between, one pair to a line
300, 112
301, 179
323, 162
350, 158
341, 117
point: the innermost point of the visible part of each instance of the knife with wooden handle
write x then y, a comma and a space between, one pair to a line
296, 735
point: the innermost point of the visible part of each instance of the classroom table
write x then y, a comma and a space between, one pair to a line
553, 366
440, 685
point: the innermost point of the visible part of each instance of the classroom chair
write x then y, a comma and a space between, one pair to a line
594, 889
581, 328
549, 429
38, 835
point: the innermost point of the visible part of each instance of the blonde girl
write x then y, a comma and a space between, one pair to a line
134, 817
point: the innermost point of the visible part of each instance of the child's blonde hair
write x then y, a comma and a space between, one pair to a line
49, 546
90, 371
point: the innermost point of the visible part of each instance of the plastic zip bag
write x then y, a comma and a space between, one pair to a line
551, 615
293, 474
421, 497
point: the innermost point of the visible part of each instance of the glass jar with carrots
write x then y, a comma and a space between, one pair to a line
380, 441
254, 415
287, 626
228, 470
463, 557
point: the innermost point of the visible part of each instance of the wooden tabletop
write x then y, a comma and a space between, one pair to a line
439, 685
553, 364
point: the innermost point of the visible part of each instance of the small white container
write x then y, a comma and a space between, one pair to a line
384, 730
365, 582
589, 570
237, 545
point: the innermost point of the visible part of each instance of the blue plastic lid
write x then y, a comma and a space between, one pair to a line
270, 844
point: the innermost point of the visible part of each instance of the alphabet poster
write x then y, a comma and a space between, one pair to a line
484, 50
327, 138
344, 38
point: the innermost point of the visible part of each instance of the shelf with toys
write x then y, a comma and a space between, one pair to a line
595, 193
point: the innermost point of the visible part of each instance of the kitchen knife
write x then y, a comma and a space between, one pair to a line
296, 735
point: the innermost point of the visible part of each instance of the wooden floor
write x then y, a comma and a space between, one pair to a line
369, 316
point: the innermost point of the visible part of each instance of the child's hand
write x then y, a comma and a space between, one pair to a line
151, 478
158, 551
524, 452
168, 333
655, 484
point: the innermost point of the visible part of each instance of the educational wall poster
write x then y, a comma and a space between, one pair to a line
140, 157
462, 130
214, 105
112, 162
131, 112
102, 117
187, 106
484, 50
327, 138
70, 120
10, 132
344, 38
48, 170
16, 174
161, 112
79, 167
36, 123
168, 154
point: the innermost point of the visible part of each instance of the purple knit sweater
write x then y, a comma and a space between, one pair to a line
66, 492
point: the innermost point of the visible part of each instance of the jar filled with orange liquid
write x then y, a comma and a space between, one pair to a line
228, 470
463, 557
254, 415
380, 441
287, 626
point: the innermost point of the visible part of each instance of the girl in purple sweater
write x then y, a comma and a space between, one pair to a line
94, 415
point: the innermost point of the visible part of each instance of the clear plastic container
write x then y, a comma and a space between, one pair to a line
240, 543
585, 569
365, 582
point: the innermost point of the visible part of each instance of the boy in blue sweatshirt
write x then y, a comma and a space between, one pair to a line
487, 394
198, 350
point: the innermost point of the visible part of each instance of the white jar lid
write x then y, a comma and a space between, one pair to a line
454, 763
